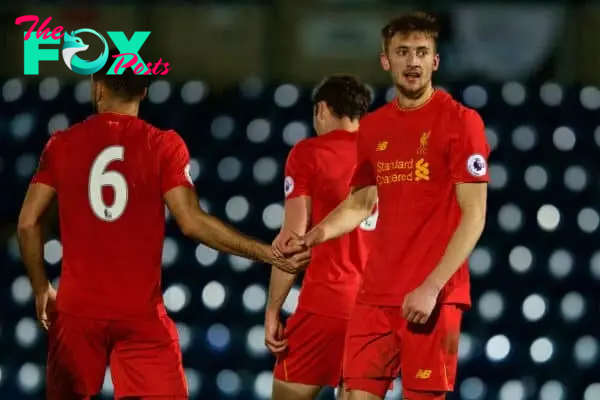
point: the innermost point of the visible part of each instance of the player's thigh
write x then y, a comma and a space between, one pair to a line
315, 350
430, 353
146, 359
77, 357
342, 393
362, 395
372, 352
294, 391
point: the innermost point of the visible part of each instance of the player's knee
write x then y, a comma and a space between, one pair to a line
418, 395
294, 391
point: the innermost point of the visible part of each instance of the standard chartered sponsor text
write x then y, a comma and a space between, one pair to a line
397, 171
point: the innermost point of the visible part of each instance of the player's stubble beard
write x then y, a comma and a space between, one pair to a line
412, 94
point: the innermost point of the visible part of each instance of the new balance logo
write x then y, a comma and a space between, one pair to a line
423, 374
381, 146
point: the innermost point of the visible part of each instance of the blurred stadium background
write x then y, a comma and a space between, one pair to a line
239, 94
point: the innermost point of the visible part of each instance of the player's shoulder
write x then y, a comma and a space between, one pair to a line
456, 111
70, 133
73, 130
376, 116
304, 148
371, 124
161, 137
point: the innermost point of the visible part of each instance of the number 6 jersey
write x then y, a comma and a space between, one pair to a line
110, 173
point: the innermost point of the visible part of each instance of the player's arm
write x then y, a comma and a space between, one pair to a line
198, 225
295, 221
29, 234
38, 198
469, 151
301, 167
348, 215
181, 199
472, 199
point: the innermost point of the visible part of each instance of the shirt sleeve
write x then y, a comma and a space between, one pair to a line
363, 174
175, 163
45, 172
299, 170
469, 150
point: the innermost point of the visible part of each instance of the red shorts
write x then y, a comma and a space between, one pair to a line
315, 350
143, 354
381, 343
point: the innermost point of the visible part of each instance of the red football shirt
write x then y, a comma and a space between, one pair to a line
322, 168
110, 173
415, 157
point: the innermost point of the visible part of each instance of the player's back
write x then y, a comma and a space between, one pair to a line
108, 182
332, 280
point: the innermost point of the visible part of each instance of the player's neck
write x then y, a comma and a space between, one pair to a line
121, 108
405, 103
344, 125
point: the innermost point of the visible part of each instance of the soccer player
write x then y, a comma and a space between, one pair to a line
426, 154
112, 175
317, 177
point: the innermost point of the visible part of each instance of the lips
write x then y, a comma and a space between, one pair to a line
412, 75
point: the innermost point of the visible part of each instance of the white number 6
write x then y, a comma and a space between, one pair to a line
100, 177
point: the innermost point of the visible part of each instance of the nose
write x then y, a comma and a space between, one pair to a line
413, 60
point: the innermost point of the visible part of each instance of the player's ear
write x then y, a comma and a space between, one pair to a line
385, 61
99, 91
321, 110
436, 62
145, 93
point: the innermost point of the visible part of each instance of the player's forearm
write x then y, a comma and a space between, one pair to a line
220, 236
342, 220
459, 248
279, 287
32, 253
345, 217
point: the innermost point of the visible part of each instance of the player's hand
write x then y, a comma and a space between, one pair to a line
292, 264
45, 300
274, 339
313, 237
419, 304
287, 243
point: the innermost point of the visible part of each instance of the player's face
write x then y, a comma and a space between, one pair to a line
411, 60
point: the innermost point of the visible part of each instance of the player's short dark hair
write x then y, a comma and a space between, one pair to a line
416, 22
345, 95
127, 86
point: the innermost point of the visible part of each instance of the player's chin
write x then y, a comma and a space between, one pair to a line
411, 90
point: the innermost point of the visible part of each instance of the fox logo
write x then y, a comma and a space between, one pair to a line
73, 45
